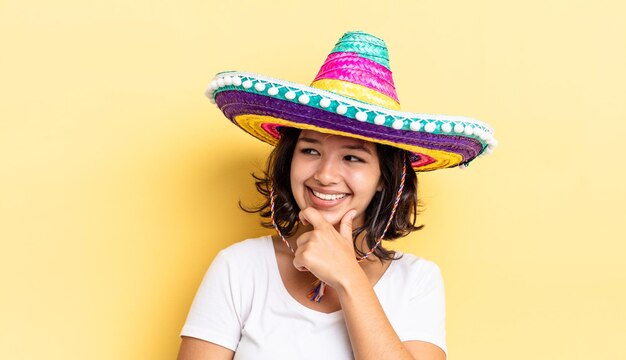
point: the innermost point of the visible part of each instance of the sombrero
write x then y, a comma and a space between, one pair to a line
352, 95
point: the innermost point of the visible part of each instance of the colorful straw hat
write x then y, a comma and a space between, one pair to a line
352, 95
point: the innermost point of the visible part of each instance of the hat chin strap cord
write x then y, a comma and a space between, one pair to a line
319, 287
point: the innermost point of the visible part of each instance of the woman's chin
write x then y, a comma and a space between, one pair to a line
332, 218
335, 219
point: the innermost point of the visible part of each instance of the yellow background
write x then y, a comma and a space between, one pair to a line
119, 181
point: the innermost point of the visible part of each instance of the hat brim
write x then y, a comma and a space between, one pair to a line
259, 105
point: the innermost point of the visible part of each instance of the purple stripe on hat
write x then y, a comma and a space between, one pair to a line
235, 103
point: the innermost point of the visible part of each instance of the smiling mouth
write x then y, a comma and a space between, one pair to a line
327, 197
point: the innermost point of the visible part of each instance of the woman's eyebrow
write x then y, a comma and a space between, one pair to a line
358, 147
309, 140
355, 146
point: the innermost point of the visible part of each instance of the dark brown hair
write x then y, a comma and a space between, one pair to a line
286, 210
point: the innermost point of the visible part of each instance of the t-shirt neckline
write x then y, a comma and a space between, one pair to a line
276, 279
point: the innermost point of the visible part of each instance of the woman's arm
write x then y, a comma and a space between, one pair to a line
213, 315
196, 349
371, 334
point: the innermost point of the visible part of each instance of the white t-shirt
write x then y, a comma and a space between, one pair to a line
243, 305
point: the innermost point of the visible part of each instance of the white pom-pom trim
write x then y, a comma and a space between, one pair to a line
342, 109
380, 119
325, 102
290, 95
398, 124
259, 87
361, 116
303, 99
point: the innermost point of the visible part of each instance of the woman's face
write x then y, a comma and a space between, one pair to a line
334, 174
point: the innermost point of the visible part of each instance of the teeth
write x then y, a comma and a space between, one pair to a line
328, 196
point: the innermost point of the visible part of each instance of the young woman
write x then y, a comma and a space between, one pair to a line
340, 180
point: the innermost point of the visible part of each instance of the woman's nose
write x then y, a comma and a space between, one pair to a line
327, 172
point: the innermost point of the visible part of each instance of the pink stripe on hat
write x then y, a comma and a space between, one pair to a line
350, 67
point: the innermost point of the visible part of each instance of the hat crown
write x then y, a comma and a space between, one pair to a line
358, 68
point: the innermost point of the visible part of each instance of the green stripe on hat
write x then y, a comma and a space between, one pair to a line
364, 44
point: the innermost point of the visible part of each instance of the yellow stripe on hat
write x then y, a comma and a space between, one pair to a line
253, 125
358, 92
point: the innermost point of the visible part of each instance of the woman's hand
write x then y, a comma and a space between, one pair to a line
324, 251
329, 255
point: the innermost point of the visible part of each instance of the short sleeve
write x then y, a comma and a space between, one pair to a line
425, 314
213, 315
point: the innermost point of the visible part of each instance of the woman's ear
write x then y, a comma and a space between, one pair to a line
379, 188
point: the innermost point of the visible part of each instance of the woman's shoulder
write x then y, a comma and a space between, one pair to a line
415, 263
246, 250
243, 259
415, 270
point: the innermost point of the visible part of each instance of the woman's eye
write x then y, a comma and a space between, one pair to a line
352, 158
310, 151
